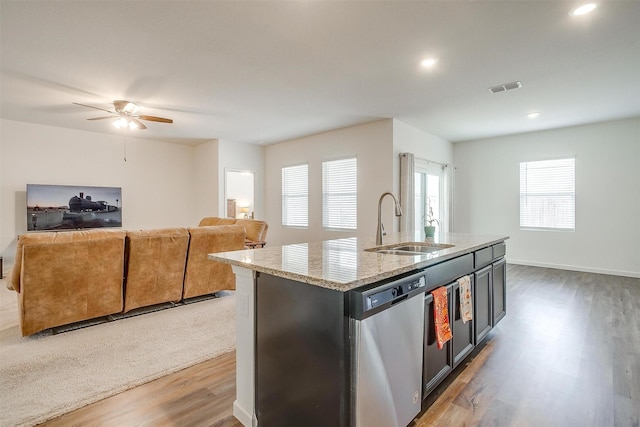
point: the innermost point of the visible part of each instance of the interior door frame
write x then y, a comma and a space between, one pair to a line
228, 177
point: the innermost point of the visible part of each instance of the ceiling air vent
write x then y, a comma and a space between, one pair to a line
504, 87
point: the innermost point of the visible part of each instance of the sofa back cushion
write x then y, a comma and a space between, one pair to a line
67, 277
204, 276
226, 221
256, 230
208, 221
216, 220
154, 264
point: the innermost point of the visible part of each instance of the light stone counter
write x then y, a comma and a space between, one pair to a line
344, 264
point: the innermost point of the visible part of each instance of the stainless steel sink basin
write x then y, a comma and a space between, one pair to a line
411, 249
417, 248
398, 252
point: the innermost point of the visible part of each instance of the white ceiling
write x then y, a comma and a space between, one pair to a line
271, 71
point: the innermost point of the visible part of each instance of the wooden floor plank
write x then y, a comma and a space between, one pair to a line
567, 354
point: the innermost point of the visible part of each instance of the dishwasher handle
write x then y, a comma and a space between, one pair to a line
397, 300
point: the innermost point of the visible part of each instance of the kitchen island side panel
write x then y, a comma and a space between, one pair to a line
302, 356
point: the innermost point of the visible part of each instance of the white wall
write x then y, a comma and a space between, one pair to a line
156, 179
423, 145
607, 235
371, 143
207, 183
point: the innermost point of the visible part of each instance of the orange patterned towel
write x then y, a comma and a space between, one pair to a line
441, 316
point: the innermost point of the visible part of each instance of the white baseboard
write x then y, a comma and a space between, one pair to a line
245, 418
575, 268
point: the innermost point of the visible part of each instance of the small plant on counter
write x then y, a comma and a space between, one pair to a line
429, 228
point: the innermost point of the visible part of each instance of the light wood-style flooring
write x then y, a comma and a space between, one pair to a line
567, 354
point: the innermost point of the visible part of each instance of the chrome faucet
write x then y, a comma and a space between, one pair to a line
381, 231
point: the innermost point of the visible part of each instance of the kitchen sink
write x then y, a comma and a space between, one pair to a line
412, 248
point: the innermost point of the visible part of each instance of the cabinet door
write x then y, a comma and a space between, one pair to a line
437, 362
499, 291
462, 332
482, 302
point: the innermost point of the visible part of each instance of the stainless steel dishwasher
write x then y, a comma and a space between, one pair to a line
387, 326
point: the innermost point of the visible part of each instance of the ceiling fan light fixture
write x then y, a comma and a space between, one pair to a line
126, 114
130, 108
120, 123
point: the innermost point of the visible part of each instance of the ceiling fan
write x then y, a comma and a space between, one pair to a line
126, 114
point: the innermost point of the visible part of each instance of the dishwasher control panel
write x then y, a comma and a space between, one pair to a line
390, 294
381, 295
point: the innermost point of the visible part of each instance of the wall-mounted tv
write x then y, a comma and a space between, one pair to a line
70, 207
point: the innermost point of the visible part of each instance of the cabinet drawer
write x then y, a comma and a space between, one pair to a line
444, 273
482, 257
499, 250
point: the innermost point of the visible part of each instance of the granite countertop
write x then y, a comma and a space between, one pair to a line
344, 264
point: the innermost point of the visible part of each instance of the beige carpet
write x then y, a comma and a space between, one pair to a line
44, 376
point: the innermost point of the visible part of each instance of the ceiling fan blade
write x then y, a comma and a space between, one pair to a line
155, 119
96, 108
101, 118
138, 123
119, 105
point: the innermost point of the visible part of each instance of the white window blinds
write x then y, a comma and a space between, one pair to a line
340, 194
547, 194
295, 196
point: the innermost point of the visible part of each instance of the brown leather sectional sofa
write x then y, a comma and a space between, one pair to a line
67, 277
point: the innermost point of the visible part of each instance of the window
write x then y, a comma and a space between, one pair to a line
547, 194
295, 196
429, 190
340, 194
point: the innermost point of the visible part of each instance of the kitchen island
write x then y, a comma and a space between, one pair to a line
298, 330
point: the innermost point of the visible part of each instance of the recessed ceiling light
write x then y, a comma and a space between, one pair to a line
583, 10
533, 115
429, 62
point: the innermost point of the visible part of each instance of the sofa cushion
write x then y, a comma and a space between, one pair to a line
67, 277
154, 265
204, 276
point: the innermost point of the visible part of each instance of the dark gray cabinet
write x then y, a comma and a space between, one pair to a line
462, 342
482, 302
486, 268
498, 292
482, 257
302, 355
437, 362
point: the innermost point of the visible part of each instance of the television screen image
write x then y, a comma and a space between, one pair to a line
70, 207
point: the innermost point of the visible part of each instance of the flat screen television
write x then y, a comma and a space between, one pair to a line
70, 207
